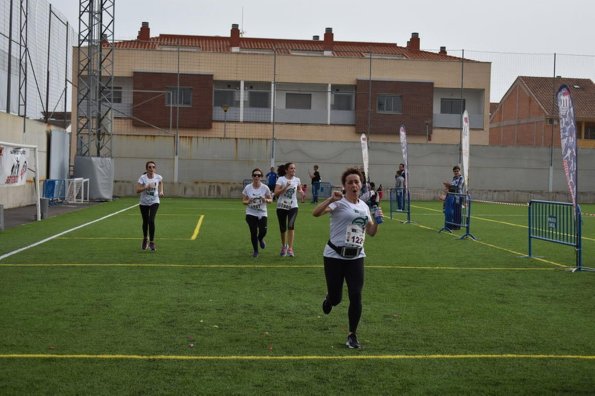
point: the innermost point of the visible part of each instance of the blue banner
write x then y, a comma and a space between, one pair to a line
568, 139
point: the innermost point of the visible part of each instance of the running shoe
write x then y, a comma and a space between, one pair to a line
262, 243
152, 246
352, 341
290, 252
145, 244
255, 254
283, 251
327, 306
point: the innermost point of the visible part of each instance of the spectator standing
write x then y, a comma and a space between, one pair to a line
315, 178
272, 179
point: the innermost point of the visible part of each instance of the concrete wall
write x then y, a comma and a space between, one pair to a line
11, 131
215, 167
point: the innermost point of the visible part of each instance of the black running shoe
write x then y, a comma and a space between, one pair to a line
327, 306
152, 246
145, 244
352, 341
262, 243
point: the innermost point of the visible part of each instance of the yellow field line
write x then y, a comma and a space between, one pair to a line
197, 228
297, 357
263, 266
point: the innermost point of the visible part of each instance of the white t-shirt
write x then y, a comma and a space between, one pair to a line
257, 205
348, 226
150, 196
288, 200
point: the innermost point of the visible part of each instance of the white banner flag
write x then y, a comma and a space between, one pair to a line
403, 138
364, 141
13, 165
465, 149
568, 139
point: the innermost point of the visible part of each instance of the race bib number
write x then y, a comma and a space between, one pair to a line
354, 236
255, 202
285, 203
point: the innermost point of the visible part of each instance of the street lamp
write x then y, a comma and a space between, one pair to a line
225, 107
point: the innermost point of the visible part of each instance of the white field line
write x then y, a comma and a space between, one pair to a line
63, 233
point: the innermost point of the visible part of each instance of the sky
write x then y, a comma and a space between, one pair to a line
539, 28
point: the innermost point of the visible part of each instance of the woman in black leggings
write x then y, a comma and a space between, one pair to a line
256, 196
344, 252
150, 187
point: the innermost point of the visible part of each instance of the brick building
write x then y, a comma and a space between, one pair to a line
528, 113
318, 89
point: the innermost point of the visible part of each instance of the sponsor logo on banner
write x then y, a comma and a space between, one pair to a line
13, 165
364, 142
465, 148
568, 139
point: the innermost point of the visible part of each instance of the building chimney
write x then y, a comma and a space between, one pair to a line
144, 33
413, 43
442, 51
316, 38
235, 37
328, 41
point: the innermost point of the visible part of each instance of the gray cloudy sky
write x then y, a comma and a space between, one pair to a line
539, 28
534, 26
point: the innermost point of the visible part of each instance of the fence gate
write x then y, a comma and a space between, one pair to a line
558, 222
400, 202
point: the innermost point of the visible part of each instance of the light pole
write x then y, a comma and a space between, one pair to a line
225, 107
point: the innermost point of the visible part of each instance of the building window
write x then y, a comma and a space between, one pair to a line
342, 101
452, 106
298, 101
226, 97
258, 99
181, 97
390, 104
115, 95
590, 130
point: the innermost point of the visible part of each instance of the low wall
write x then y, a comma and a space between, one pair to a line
234, 191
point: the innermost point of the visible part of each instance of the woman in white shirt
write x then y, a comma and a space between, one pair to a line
256, 196
150, 187
344, 252
286, 189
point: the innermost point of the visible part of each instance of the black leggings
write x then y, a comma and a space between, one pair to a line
352, 271
148, 213
287, 219
258, 229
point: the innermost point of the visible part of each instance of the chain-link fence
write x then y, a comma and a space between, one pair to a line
35, 59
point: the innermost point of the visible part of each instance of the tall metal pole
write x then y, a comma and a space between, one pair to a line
274, 105
47, 71
177, 137
551, 174
461, 108
9, 63
369, 98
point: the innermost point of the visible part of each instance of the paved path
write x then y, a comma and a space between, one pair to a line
28, 214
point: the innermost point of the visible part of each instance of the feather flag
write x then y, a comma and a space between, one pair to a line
465, 149
403, 138
568, 139
364, 142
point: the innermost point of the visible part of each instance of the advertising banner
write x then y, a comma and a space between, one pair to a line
14, 161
